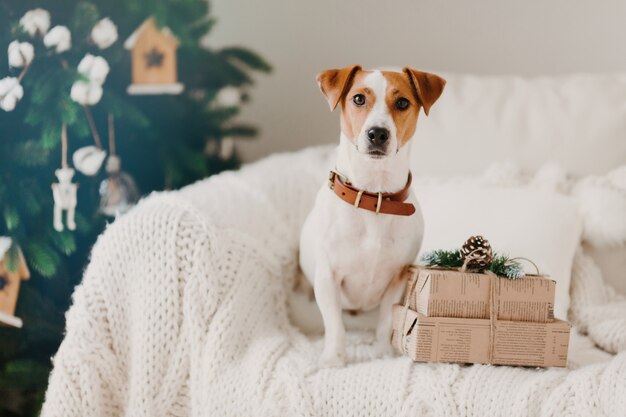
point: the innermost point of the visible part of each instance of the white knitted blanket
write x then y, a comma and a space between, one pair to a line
183, 312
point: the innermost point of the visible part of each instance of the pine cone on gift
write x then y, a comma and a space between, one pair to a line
476, 253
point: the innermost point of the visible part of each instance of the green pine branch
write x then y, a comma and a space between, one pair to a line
12, 257
160, 139
246, 57
501, 265
442, 258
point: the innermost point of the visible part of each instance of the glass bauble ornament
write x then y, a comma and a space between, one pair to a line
118, 193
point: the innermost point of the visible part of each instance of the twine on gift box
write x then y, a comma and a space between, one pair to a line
494, 306
407, 296
473, 255
528, 260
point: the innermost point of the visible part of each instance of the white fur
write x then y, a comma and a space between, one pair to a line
353, 257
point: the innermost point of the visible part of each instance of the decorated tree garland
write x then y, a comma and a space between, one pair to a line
475, 255
67, 66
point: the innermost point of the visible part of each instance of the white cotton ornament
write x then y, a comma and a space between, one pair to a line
86, 93
104, 33
95, 68
228, 97
36, 21
58, 38
88, 160
11, 92
5, 244
20, 54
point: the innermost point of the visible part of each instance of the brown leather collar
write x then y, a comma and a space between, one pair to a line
385, 203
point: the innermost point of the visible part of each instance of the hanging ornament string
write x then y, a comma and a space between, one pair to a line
118, 192
64, 146
111, 135
113, 164
24, 71
92, 127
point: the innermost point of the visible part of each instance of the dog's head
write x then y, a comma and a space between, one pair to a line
379, 109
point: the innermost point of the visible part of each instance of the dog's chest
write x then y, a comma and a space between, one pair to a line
366, 250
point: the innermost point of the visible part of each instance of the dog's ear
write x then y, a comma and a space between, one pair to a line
335, 83
426, 87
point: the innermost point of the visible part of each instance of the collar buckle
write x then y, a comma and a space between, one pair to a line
331, 178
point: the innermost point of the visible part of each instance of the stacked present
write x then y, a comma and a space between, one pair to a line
477, 316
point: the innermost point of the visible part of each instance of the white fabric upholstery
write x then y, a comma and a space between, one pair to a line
183, 312
577, 121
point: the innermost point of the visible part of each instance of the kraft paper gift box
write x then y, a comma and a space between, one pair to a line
450, 293
462, 340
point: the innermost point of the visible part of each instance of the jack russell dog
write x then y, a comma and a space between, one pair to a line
366, 225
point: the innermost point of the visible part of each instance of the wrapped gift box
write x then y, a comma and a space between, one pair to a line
463, 340
450, 293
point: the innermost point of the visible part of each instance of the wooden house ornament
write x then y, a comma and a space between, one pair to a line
9, 290
153, 60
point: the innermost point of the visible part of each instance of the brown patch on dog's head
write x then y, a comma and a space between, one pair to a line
399, 88
403, 94
335, 83
353, 117
427, 87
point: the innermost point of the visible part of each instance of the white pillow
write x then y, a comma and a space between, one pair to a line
542, 226
577, 121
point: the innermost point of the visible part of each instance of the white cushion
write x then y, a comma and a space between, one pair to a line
542, 226
578, 121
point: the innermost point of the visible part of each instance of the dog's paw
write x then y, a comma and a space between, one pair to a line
332, 359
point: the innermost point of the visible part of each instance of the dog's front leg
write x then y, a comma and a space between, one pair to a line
392, 296
327, 294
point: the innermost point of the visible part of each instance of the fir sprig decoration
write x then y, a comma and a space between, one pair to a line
505, 266
501, 265
442, 258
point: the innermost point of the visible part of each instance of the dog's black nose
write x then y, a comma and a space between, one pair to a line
378, 135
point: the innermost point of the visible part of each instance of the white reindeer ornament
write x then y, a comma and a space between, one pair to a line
64, 194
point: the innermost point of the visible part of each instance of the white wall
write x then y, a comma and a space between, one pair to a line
301, 38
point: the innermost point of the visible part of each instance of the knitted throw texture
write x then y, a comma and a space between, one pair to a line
182, 312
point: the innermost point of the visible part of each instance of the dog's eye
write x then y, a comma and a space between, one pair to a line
402, 104
359, 100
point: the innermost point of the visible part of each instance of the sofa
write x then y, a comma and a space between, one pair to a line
190, 305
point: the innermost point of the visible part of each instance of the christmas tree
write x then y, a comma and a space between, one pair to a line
67, 70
